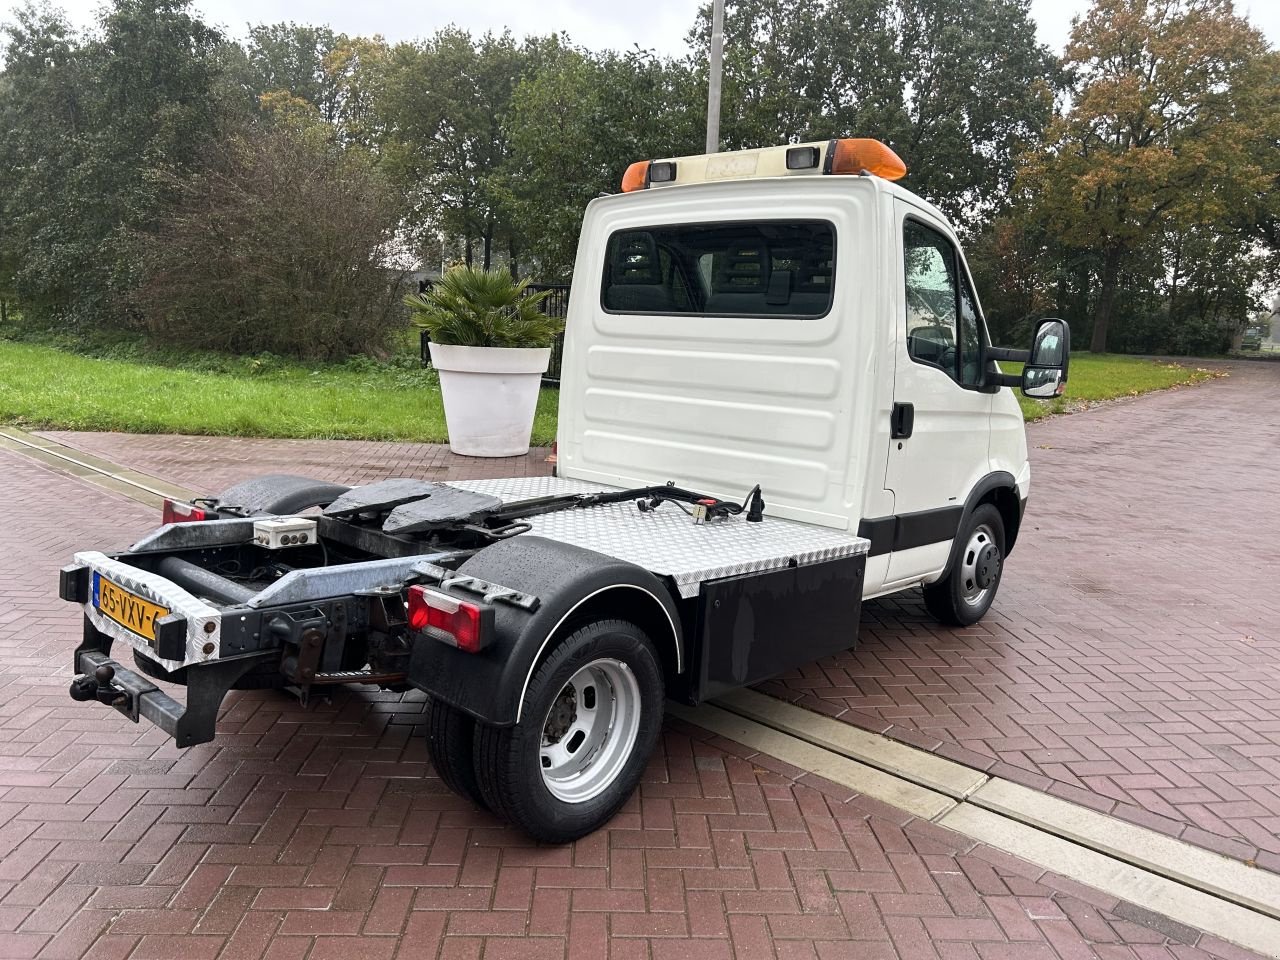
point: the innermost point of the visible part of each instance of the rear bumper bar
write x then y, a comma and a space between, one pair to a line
137, 697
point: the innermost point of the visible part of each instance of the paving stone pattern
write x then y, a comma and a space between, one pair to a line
323, 833
1132, 661
210, 464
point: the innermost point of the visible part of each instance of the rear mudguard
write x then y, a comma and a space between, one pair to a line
568, 581
277, 493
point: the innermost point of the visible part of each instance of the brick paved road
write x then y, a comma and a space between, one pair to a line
210, 464
323, 833
1132, 661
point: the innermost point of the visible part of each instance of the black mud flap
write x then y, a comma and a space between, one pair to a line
755, 626
103, 679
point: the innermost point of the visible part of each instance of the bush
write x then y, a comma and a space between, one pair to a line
279, 247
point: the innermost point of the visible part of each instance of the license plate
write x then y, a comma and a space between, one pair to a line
126, 608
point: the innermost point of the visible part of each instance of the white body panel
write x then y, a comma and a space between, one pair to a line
800, 406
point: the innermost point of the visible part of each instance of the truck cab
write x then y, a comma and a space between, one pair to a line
788, 317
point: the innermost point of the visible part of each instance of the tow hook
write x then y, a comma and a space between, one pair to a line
99, 687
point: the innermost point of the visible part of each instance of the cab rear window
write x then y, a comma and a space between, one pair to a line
772, 268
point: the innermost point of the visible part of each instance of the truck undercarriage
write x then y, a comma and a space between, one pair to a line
457, 590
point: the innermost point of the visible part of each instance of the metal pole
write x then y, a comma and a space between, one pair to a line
713, 85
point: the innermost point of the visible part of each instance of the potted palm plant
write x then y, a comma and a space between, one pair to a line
491, 343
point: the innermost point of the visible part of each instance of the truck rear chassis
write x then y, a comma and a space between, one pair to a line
725, 595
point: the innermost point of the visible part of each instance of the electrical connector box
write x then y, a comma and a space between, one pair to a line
277, 534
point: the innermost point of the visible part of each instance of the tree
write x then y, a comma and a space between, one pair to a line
91, 130
291, 58
42, 147
574, 127
1170, 129
441, 108
957, 87
279, 246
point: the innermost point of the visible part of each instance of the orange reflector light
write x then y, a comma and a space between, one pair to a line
636, 177
854, 156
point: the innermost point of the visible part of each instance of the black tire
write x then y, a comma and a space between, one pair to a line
966, 593
451, 736
509, 760
265, 677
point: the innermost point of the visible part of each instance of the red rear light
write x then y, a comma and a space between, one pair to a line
458, 623
175, 511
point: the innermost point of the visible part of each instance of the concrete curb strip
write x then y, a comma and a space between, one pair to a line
1125, 881
953, 779
1229, 900
917, 800
130, 483
1189, 865
1192, 866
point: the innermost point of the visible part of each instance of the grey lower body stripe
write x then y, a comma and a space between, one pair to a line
1221, 896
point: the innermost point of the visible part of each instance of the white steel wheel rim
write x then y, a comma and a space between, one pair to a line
970, 591
590, 731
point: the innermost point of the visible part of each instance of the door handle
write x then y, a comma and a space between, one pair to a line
902, 421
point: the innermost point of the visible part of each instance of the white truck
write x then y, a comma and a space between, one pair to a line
784, 321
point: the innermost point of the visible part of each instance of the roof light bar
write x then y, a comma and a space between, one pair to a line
847, 156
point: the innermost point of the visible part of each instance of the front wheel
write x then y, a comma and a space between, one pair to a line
591, 717
964, 595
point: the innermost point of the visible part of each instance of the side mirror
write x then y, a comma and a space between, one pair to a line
1045, 374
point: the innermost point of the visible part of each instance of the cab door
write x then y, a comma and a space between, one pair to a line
940, 421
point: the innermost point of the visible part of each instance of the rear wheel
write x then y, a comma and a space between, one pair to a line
964, 596
591, 717
451, 736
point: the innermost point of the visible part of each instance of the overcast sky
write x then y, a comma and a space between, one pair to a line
655, 24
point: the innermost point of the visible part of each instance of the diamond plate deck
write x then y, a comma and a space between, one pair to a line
667, 541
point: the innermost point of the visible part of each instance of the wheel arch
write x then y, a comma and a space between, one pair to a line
572, 585
277, 493
999, 489
623, 601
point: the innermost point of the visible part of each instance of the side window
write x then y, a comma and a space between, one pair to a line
970, 337
931, 297
942, 321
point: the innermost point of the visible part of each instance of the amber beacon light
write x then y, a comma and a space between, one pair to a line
636, 177
857, 155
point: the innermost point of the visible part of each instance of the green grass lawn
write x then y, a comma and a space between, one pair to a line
42, 387
45, 387
1096, 377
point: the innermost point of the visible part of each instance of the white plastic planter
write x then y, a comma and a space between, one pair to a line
490, 396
